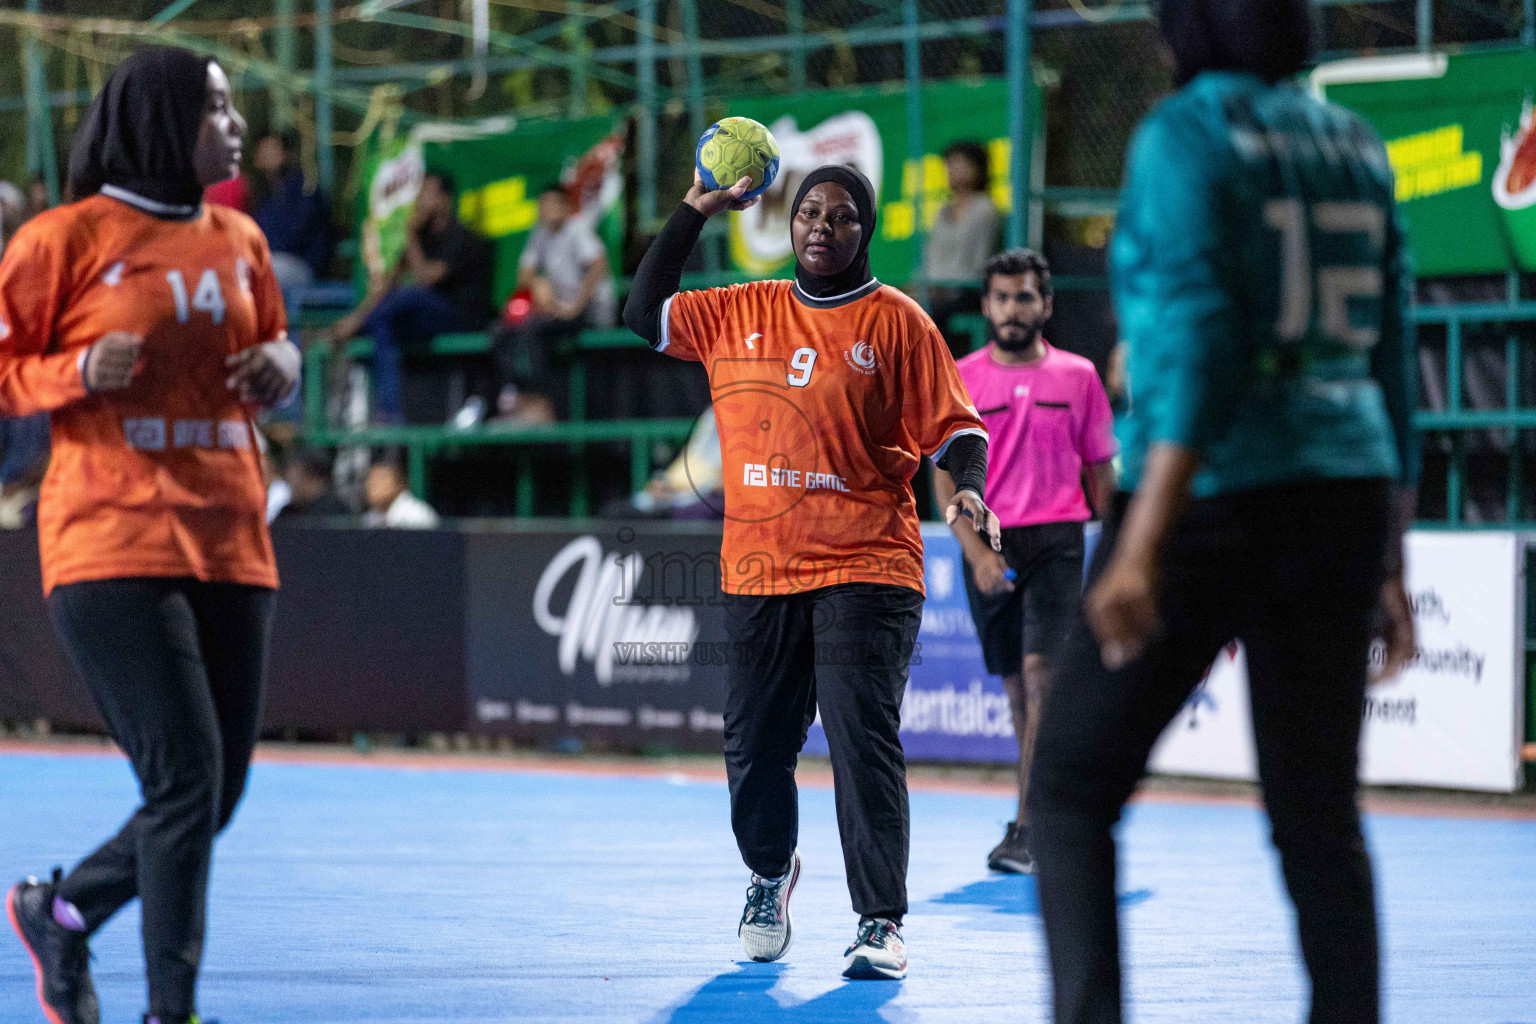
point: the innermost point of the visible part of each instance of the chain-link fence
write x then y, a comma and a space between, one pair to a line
344, 73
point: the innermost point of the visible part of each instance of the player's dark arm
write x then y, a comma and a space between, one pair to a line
1102, 483
660, 273
426, 272
1122, 608
971, 543
965, 463
964, 458
1394, 363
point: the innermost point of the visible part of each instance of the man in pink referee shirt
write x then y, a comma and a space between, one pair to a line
1048, 421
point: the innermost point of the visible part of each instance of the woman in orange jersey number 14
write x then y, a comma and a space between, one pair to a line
828, 390
149, 325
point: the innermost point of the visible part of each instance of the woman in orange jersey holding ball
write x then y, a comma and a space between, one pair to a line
150, 327
828, 391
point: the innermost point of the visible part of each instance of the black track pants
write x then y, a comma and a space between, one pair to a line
845, 649
1295, 573
176, 668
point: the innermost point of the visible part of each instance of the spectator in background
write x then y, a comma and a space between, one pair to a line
13, 211
691, 487
564, 269
308, 473
37, 196
391, 504
450, 269
234, 193
24, 449
963, 236
296, 220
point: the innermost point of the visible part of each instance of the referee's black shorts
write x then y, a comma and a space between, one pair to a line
1037, 614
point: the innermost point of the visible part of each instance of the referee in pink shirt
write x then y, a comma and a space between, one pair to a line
1047, 420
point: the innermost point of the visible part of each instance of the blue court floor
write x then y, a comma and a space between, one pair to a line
414, 896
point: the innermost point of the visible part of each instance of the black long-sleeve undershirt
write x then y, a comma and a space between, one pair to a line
661, 272
966, 461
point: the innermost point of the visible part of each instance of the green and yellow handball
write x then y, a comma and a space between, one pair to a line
733, 148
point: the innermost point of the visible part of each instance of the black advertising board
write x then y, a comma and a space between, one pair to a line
607, 633
540, 631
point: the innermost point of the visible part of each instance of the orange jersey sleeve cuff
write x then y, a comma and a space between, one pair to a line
40, 383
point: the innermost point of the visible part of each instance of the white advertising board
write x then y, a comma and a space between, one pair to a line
1453, 718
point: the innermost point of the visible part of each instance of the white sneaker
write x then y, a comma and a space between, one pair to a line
877, 953
765, 928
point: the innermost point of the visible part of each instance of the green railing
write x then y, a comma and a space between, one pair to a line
422, 443
1456, 420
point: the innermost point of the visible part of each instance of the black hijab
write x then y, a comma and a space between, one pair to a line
1268, 38
857, 273
142, 129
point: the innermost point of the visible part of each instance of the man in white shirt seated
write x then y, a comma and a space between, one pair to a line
391, 504
565, 274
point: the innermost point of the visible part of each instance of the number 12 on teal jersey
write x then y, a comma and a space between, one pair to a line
1308, 289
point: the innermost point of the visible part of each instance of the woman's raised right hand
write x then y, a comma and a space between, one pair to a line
712, 201
113, 362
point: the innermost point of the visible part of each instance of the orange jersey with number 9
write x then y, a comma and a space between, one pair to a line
163, 477
824, 408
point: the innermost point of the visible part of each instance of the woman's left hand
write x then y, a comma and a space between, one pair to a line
264, 374
969, 503
1122, 610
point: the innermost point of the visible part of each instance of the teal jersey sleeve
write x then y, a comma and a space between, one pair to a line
1395, 362
1176, 296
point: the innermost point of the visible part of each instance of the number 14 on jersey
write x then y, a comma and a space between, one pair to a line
209, 297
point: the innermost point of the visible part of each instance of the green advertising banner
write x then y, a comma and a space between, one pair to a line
499, 175
868, 129
1458, 133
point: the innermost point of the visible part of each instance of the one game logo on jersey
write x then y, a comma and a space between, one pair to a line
862, 358
5, 329
758, 475
114, 275
149, 434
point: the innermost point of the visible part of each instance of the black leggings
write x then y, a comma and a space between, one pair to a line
1295, 573
176, 669
845, 649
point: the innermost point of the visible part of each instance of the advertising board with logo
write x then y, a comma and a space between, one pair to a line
615, 634
1458, 130
868, 129
953, 710
499, 171
1453, 718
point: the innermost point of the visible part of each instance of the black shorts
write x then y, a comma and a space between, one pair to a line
1037, 614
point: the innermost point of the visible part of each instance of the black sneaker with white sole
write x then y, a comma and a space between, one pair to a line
61, 957
878, 952
765, 928
1013, 855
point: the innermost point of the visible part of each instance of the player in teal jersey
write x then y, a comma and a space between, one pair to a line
1258, 272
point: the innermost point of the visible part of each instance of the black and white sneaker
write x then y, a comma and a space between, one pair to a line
1013, 855
61, 958
765, 929
877, 953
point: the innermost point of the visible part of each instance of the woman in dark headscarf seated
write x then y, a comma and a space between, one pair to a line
150, 329
827, 390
